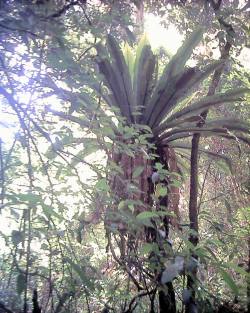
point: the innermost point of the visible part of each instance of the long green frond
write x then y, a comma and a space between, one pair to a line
122, 68
205, 103
212, 154
144, 71
165, 88
185, 86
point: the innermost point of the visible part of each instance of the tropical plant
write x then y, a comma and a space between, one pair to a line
56, 248
143, 99
164, 107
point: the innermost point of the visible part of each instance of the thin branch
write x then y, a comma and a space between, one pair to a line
85, 14
28, 252
139, 295
16, 107
64, 9
203, 186
4, 308
86, 50
2, 176
19, 30
139, 287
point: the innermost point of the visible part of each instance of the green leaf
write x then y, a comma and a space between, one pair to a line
174, 70
165, 126
207, 133
165, 213
20, 283
49, 211
192, 130
185, 51
29, 197
114, 82
44, 246
123, 75
137, 171
238, 269
17, 237
102, 185
216, 156
176, 183
147, 247
129, 59
229, 281
230, 124
83, 121
161, 190
205, 103
201, 252
146, 215
81, 273
108, 131
142, 43
143, 79
225, 166
146, 222
184, 86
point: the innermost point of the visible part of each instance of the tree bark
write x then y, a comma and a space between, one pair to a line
36, 307
248, 279
167, 301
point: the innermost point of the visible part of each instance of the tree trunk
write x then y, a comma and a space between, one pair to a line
248, 278
139, 17
145, 189
167, 301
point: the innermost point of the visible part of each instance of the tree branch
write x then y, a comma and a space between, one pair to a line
139, 295
4, 309
122, 264
65, 8
19, 30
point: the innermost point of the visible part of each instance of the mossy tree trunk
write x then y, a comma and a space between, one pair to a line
144, 195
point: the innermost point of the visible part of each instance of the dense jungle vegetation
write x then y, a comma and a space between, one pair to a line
124, 165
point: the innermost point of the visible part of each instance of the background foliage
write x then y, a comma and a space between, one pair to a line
60, 238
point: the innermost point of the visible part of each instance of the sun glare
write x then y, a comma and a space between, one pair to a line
159, 36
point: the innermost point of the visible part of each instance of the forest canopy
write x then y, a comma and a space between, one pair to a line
124, 156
